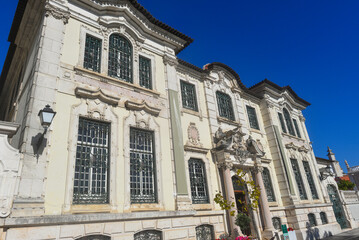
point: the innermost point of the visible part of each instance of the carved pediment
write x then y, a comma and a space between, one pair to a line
143, 105
87, 92
303, 149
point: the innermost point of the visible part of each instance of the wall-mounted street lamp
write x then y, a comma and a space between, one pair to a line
326, 172
46, 116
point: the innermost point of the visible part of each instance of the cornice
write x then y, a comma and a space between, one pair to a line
143, 105
58, 13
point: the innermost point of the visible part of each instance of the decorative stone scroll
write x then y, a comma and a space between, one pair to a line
193, 143
143, 105
58, 13
85, 92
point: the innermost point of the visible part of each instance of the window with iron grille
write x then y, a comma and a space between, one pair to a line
92, 56
149, 235
312, 220
143, 167
91, 181
189, 99
323, 217
288, 121
120, 58
145, 72
204, 232
225, 106
298, 179
296, 128
197, 176
281, 120
252, 116
277, 224
268, 185
308, 173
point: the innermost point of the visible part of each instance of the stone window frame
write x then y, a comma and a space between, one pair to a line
204, 179
134, 40
323, 218
288, 122
312, 220
280, 223
300, 170
99, 112
315, 195
205, 225
271, 182
256, 117
153, 68
186, 79
206, 162
296, 127
147, 122
195, 100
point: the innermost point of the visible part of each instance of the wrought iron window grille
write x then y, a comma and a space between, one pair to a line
288, 121
198, 181
120, 58
142, 167
298, 179
312, 220
323, 217
268, 185
277, 224
92, 56
91, 180
148, 235
145, 72
189, 98
281, 120
308, 173
252, 116
204, 232
225, 106
296, 128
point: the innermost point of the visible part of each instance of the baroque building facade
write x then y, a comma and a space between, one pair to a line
142, 141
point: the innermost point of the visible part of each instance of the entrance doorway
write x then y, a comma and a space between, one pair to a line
241, 202
337, 206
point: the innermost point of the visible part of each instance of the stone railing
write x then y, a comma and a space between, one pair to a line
350, 196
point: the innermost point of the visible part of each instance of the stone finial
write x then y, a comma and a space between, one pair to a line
331, 155
346, 164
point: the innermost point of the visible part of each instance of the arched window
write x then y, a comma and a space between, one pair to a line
204, 232
95, 237
268, 185
197, 176
298, 179
288, 122
120, 58
312, 220
323, 217
149, 235
277, 224
225, 106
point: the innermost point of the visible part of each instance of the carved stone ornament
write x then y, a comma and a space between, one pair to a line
233, 142
58, 13
193, 136
291, 146
98, 93
255, 149
303, 149
170, 61
225, 165
143, 105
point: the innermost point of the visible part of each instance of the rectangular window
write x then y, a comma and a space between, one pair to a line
268, 185
92, 58
197, 175
308, 173
189, 99
145, 72
143, 167
252, 116
225, 106
92, 163
296, 128
281, 120
298, 179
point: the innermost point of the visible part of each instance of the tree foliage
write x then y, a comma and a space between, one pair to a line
345, 185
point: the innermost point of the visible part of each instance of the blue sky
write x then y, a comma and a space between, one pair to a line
313, 46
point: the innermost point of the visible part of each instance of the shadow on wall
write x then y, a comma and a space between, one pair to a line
313, 233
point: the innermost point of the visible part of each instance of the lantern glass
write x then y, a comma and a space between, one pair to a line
46, 116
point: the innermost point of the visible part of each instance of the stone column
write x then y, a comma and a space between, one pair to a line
264, 206
228, 184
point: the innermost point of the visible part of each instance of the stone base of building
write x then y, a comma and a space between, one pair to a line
172, 224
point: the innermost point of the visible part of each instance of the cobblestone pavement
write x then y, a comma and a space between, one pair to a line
348, 235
